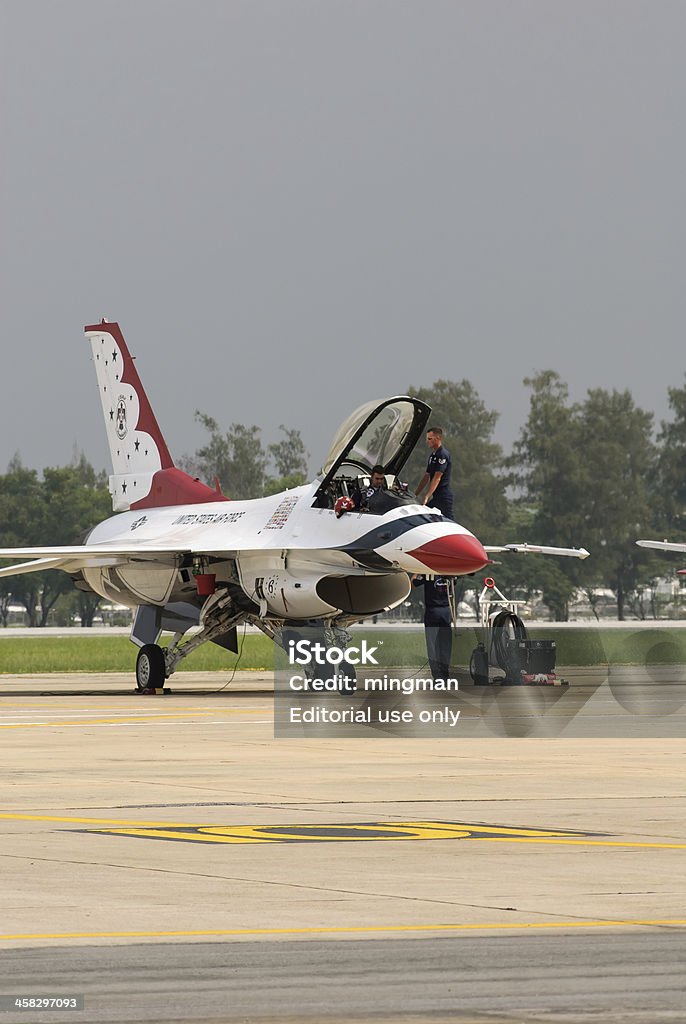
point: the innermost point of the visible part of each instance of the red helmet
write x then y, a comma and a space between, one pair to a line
343, 505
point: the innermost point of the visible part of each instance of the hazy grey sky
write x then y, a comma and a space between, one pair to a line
292, 206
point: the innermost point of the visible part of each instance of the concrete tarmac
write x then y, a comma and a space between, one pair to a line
226, 875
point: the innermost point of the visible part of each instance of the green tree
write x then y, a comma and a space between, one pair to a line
77, 499
585, 468
549, 470
289, 455
670, 476
22, 511
57, 509
22, 524
290, 460
617, 504
548, 460
236, 458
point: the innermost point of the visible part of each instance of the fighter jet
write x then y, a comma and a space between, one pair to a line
183, 555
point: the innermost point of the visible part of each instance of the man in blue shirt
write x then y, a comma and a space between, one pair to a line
437, 475
364, 500
438, 628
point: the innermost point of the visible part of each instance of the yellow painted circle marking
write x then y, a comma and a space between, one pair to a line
368, 831
376, 831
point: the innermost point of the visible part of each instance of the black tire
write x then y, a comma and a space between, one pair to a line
506, 626
478, 666
151, 670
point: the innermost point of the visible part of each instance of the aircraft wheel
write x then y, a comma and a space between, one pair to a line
478, 666
347, 681
150, 667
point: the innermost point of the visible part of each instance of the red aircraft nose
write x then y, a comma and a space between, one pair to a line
457, 554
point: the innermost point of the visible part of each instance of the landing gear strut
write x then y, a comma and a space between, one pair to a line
340, 675
155, 664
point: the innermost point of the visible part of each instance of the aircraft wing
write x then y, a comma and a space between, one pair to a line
539, 549
83, 556
71, 558
38, 565
662, 545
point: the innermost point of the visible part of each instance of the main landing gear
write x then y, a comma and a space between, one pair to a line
154, 664
151, 670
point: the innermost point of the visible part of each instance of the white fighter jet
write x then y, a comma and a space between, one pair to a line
183, 555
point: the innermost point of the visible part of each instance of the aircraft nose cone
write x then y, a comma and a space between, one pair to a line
455, 554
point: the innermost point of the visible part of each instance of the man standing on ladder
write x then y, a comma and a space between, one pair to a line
437, 475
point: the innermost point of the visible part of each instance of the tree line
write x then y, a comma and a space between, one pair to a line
597, 473
59, 507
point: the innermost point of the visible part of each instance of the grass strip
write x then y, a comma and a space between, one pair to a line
575, 647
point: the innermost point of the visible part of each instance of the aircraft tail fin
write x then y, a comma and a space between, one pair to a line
143, 471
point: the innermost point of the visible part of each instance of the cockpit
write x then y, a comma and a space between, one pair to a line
379, 433
381, 500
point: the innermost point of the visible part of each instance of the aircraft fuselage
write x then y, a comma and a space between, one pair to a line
290, 559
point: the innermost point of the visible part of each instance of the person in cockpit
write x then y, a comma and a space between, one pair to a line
375, 497
365, 498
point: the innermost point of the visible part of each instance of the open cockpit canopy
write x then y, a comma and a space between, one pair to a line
381, 432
